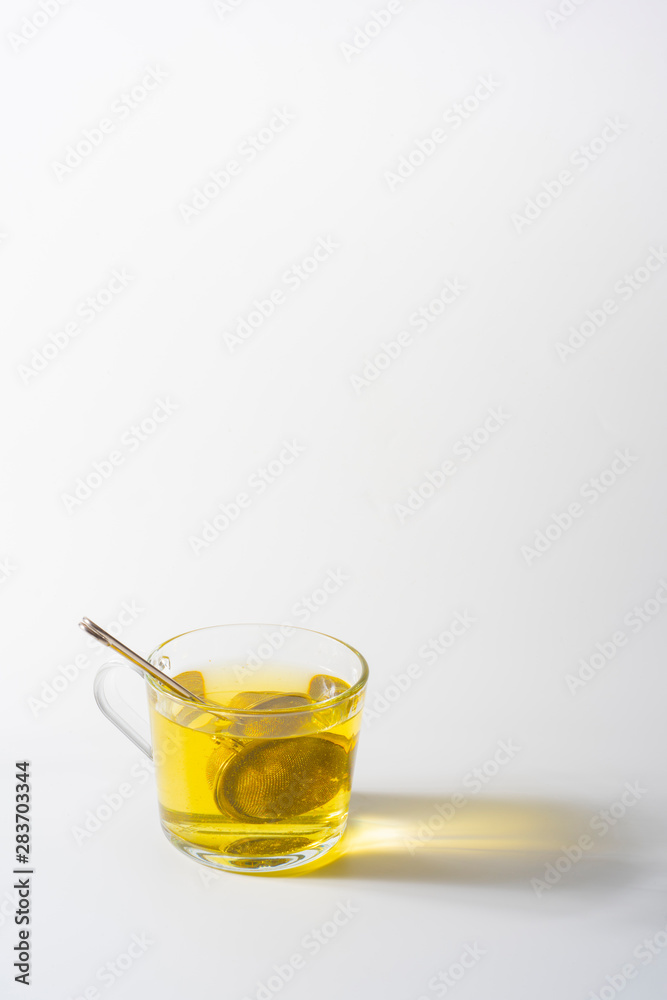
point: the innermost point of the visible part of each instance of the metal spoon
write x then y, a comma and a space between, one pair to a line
109, 640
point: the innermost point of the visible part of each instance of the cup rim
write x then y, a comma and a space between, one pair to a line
213, 709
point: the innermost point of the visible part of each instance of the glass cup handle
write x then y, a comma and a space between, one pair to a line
127, 720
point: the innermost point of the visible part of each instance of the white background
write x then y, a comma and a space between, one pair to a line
358, 104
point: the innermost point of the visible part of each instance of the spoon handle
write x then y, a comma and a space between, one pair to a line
109, 640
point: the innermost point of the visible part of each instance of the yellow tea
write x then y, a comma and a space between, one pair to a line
263, 775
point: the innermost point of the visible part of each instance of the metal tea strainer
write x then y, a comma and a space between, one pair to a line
275, 779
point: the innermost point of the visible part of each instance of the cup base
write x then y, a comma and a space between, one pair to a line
256, 856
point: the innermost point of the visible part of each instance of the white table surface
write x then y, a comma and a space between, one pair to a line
421, 903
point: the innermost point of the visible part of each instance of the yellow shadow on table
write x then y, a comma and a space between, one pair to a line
485, 841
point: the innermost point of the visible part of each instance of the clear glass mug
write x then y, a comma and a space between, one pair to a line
258, 778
